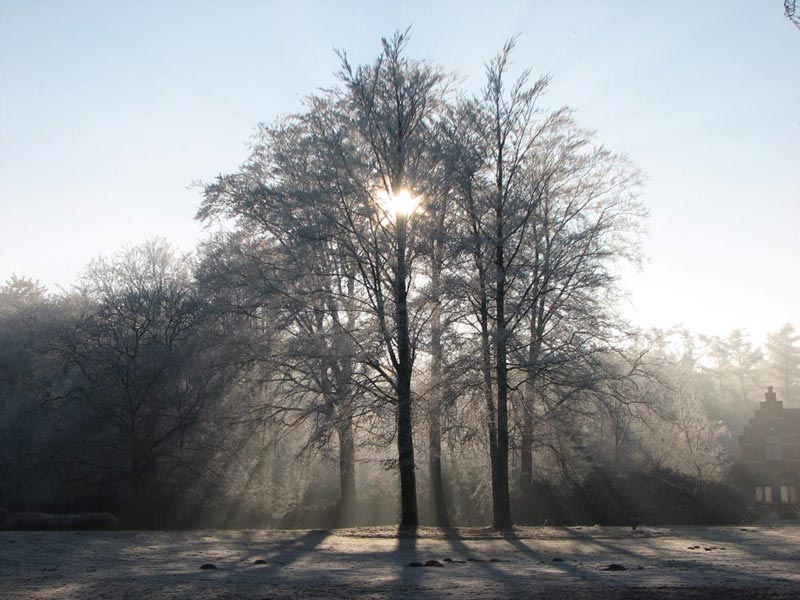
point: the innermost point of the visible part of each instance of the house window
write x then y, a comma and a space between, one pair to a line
774, 452
764, 493
788, 494
772, 448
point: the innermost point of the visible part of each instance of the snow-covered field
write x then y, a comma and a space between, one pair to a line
679, 562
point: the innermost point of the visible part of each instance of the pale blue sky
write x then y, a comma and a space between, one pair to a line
110, 109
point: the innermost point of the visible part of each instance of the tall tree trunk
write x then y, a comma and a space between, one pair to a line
435, 466
347, 472
405, 434
437, 393
526, 446
502, 507
488, 388
526, 419
347, 452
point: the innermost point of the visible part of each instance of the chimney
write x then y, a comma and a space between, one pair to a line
771, 402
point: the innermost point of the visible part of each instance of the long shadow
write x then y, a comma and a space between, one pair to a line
616, 546
277, 554
565, 566
407, 541
734, 578
514, 584
237, 575
741, 538
600, 542
405, 553
141, 578
288, 551
279, 557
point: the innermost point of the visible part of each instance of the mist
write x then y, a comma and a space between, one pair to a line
405, 317
409, 314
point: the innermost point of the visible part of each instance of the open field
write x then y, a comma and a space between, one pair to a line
680, 562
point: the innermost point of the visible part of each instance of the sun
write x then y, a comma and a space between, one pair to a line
400, 203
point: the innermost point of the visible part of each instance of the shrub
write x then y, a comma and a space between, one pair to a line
39, 521
97, 521
657, 498
609, 496
31, 521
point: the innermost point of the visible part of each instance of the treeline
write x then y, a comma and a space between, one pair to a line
410, 294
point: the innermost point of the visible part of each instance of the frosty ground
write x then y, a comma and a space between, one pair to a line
548, 562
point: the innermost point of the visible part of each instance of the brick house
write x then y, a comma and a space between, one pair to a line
770, 451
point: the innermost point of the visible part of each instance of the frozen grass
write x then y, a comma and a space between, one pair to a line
683, 562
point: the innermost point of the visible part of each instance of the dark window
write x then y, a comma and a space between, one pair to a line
788, 494
764, 493
773, 452
773, 449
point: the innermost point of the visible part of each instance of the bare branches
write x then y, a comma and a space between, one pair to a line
791, 12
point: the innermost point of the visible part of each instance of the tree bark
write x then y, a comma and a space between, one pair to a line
405, 434
502, 505
347, 473
526, 447
348, 499
488, 388
437, 394
526, 419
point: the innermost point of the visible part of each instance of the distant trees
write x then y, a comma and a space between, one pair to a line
698, 440
612, 414
29, 319
783, 359
23, 308
297, 292
134, 372
734, 364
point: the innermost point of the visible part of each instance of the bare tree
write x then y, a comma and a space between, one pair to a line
284, 271
501, 128
29, 319
325, 190
143, 364
379, 159
545, 215
520, 210
584, 223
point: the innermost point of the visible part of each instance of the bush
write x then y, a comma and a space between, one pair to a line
97, 521
608, 496
38, 521
30, 521
545, 506
657, 498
